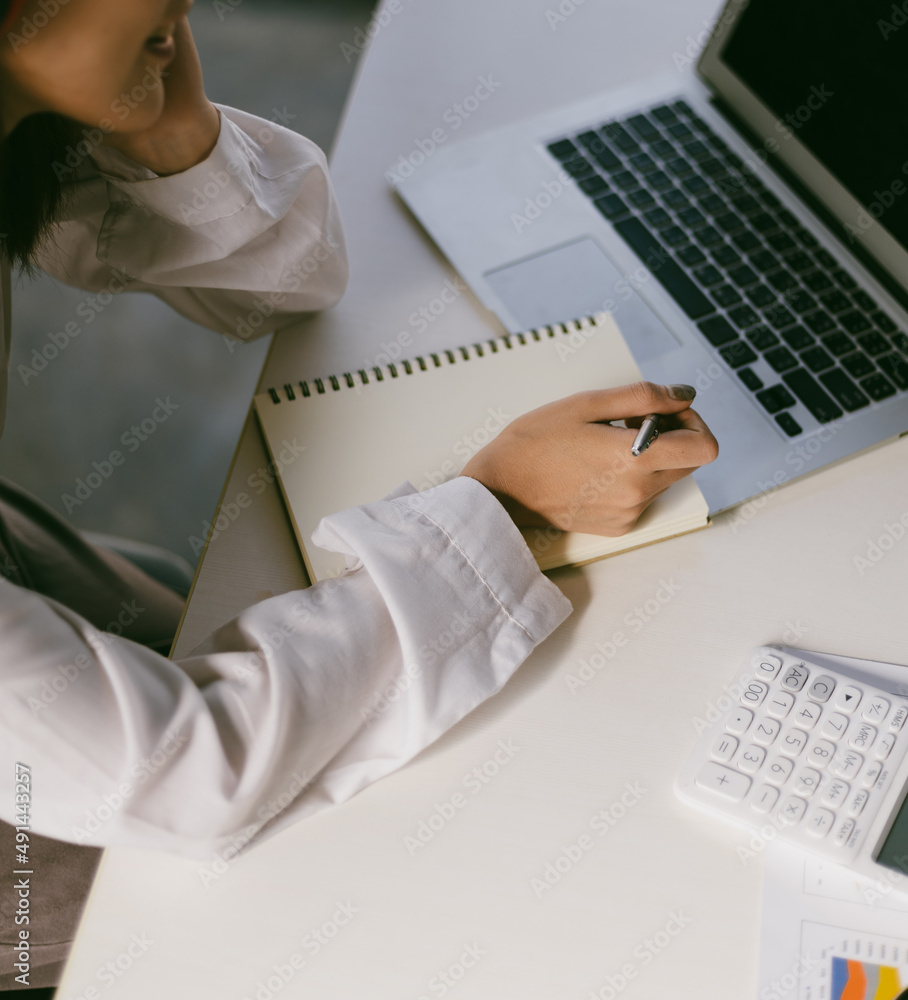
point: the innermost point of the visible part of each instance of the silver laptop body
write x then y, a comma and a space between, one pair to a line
516, 222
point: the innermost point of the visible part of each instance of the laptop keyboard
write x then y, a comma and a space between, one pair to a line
757, 283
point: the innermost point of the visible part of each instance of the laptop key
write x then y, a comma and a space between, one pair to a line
743, 316
708, 275
844, 280
625, 180
611, 206
743, 276
712, 203
806, 239
674, 236
657, 217
578, 166
593, 186
717, 330
896, 367
788, 423
873, 343
844, 390
776, 398
746, 241
643, 127
855, 322
696, 185
816, 281
691, 256
708, 237
823, 407
761, 296
835, 301
900, 342
799, 261
643, 163
781, 359
660, 181
857, 365
691, 217
751, 379
737, 353
820, 322
727, 296
725, 256
884, 322
764, 261
800, 301
564, 149
648, 248
782, 281
678, 166
779, 317
781, 242
878, 387
641, 198
825, 259
664, 114
817, 359
676, 200
787, 219
607, 159
864, 301
798, 338
762, 337
663, 149
838, 343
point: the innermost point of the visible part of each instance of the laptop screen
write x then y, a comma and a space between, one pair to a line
829, 77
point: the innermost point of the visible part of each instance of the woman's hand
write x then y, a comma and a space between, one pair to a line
566, 465
187, 129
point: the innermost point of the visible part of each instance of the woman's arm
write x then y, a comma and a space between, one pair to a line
328, 688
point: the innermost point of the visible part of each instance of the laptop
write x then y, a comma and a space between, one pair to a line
747, 227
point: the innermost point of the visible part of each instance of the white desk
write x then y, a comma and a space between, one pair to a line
786, 572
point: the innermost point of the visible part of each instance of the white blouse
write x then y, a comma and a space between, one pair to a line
305, 698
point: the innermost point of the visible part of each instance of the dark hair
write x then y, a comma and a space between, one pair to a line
32, 192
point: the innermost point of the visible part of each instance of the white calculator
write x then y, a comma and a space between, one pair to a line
817, 755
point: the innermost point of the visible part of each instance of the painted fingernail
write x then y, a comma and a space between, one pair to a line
683, 392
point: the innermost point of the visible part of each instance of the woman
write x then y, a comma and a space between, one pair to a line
106, 133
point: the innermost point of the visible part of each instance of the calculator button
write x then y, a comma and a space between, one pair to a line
885, 745
806, 715
835, 792
751, 759
738, 720
792, 810
821, 753
779, 705
857, 803
807, 782
764, 798
754, 694
724, 748
723, 781
767, 667
847, 698
778, 770
898, 718
792, 742
834, 725
819, 822
794, 677
869, 777
847, 763
861, 735
821, 688
843, 833
875, 710
766, 731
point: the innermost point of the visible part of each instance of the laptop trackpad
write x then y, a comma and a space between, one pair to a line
576, 280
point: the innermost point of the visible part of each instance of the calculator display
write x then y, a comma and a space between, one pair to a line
894, 852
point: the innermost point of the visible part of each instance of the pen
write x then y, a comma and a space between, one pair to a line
649, 431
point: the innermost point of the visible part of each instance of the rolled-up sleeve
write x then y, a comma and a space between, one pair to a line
243, 242
300, 701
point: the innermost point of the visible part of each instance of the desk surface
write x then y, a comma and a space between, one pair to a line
537, 849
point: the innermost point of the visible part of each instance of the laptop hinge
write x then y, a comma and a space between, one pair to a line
788, 177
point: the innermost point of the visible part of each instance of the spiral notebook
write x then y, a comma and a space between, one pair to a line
340, 441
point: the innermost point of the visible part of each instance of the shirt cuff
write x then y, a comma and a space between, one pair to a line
218, 187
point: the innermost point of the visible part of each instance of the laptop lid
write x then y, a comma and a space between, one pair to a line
821, 86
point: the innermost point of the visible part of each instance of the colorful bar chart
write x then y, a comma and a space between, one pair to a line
852, 979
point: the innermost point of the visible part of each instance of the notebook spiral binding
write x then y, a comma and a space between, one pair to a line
378, 373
